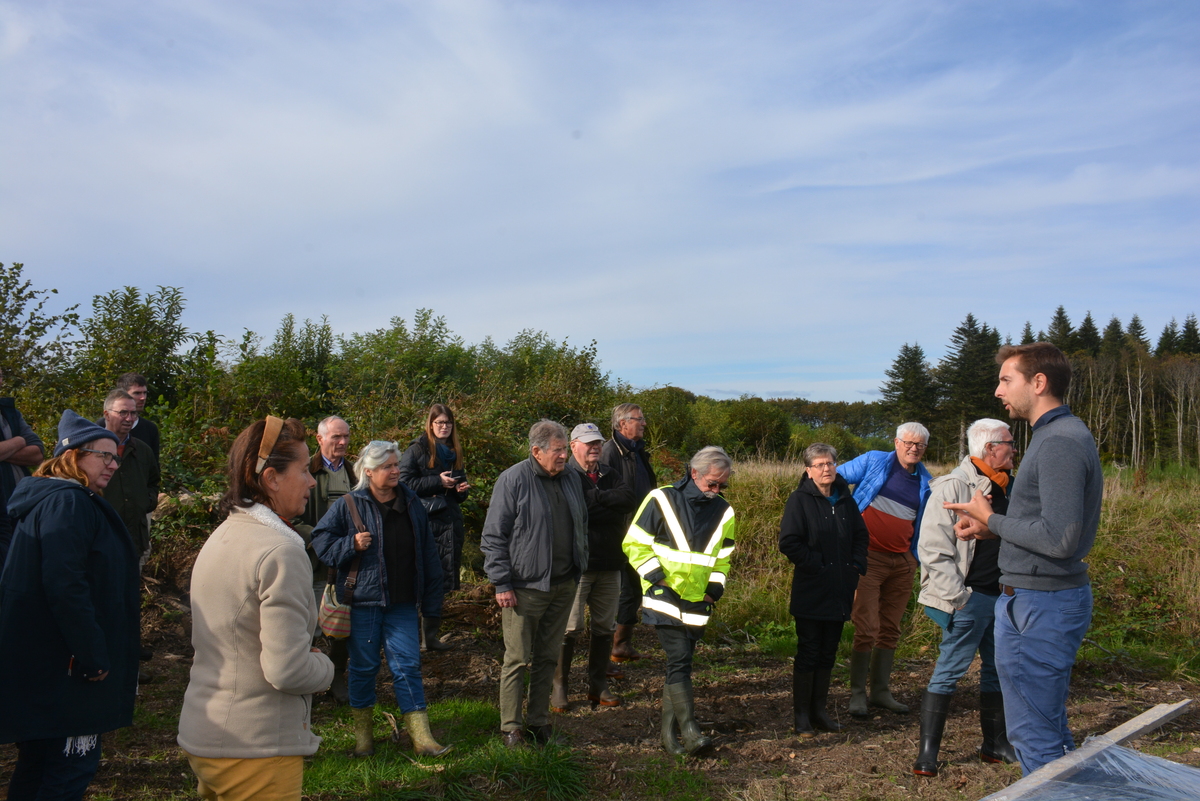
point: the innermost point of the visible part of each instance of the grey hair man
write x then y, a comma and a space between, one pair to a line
335, 477
960, 582
535, 546
626, 452
891, 489
20, 449
133, 490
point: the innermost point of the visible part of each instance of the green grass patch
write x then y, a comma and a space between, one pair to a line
480, 766
669, 779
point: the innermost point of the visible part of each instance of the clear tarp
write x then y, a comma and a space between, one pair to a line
1115, 774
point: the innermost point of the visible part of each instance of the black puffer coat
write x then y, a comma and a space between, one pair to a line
445, 523
70, 609
827, 543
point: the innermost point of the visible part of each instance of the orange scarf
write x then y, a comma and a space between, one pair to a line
997, 477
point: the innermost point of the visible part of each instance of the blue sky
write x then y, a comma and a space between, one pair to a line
765, 198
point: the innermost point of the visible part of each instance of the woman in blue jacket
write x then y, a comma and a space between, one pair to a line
397, 578
69, 617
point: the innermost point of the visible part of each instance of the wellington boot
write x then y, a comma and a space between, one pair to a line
670, 727
802, 703
433, 639
934, 707
684, 703
622, 647
597, 671
338, 689
562, 675
417, 725
820, 698
996, 747
860, 663
339, 654
364, 731
881, 676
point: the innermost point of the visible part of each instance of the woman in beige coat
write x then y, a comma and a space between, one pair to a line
245, 725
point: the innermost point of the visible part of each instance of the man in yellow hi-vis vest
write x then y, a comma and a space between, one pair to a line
680, 543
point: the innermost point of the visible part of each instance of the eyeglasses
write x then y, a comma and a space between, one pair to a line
121, 413
914, 446
108, 457
637, 419
442, 423
712, 486
822, 466
1011, 443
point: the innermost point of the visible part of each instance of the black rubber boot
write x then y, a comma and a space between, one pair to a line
433, 639
684, 703
934, 707
339, 654
562, 676
996, 747
820, 699
860, 664
802, 685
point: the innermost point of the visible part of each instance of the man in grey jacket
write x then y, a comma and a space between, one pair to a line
1045, 602
535, 546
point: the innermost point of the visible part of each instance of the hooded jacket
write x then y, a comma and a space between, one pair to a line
69, 610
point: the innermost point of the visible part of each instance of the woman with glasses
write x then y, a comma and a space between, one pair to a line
69, 617
433, 468
379, 540
823, 535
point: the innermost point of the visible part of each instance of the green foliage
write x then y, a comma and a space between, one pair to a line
910, 392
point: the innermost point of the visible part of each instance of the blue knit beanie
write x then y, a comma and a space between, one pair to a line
74, 431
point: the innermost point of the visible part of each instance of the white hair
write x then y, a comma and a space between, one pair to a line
373, 454
544, 433
912, 430
323, 426
711, 459
982, 432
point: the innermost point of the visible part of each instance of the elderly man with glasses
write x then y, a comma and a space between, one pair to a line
891, 489
960, 582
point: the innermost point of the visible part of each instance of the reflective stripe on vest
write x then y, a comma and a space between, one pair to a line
670, 610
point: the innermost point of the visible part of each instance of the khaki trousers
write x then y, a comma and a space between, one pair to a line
533, 635
261, 779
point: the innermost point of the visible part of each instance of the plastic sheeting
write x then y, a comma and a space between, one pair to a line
1116, 774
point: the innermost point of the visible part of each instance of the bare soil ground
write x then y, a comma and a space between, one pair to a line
743, 697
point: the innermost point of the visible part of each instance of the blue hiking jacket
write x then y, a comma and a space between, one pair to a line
869, 472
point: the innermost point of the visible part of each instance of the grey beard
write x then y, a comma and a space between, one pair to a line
711, 495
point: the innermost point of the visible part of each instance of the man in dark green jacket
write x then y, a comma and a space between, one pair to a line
133, 490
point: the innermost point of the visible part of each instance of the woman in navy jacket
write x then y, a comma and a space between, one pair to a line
822, 533
69, 617
399, 578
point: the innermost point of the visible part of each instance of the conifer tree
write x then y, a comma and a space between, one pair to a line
967, 378
1113, 341
1027, 336
1168, 340
1189, 337
1060, 333
1136, 334
1087, 336
910, 392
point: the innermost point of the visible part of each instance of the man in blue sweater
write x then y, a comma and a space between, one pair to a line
1045, 603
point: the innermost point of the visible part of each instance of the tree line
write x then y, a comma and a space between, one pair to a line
1141, 402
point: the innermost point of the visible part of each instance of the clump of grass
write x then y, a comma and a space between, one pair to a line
480, 766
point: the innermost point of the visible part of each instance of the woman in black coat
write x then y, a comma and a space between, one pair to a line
432, 467
823, 535
69, 617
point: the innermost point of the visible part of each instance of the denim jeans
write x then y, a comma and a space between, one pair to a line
969, 630
43, 771
1038, 634
395, 628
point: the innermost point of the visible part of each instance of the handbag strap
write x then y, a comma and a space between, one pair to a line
352, 576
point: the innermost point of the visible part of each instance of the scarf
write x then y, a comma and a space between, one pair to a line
997, 477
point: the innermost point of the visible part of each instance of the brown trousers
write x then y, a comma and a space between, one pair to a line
881, 599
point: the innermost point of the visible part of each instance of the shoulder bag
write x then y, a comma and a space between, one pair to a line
334, 616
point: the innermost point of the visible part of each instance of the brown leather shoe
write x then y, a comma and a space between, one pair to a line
604, 699
513, 739
614, 671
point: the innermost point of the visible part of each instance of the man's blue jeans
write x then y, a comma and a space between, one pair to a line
395, 628
1038, 635
968, 630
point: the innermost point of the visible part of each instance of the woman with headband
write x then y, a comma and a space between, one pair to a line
245, 725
